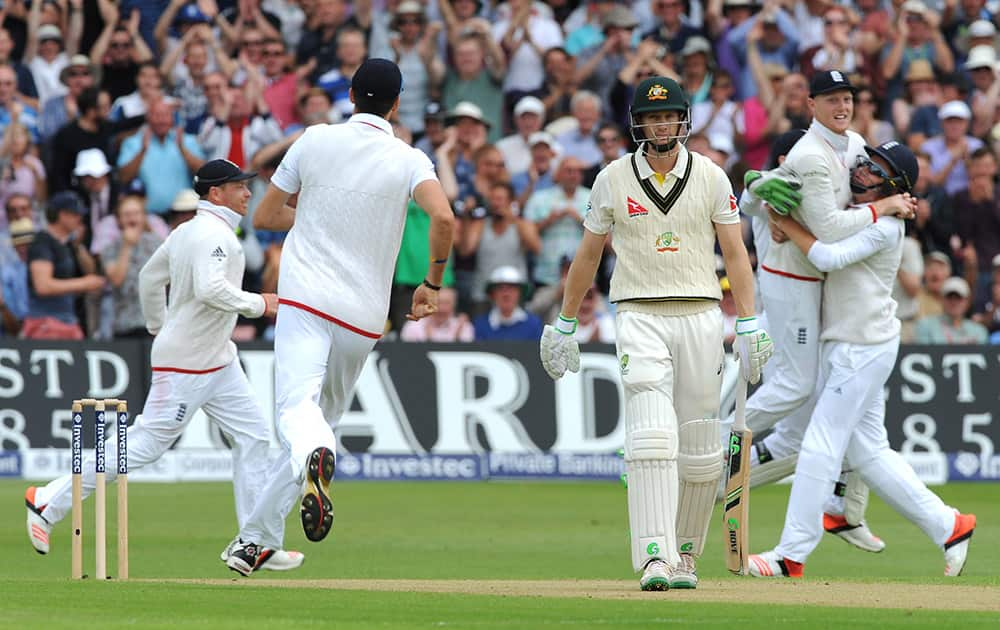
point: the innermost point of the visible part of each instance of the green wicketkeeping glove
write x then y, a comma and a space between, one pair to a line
779, 193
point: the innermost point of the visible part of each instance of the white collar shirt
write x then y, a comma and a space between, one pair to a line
354, 181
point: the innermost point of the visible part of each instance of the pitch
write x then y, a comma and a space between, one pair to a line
483, 555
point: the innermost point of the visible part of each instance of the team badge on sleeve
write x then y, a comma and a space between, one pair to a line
732, 203
635, 209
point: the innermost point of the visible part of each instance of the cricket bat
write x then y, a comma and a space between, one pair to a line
736, 515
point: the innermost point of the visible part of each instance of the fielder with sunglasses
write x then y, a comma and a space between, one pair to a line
860, 340
814, 181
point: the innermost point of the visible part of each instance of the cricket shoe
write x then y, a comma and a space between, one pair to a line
245, 557
956, 550
770, 564
655, 576
271, 559
38, 528
684, 574
317, 509
858, 535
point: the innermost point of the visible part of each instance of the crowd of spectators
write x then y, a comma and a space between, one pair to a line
107, 108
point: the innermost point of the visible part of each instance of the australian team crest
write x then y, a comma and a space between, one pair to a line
657, 93
667, 242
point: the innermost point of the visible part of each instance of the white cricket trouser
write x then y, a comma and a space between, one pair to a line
793, 311
680, 356
317, 364
850, 419
671, 374
224, 395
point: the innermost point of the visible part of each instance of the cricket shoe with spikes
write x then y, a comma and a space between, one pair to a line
684, 575
770, 564
956, 550
271, 559
245, 557
655, 577
317, 509
39, 529
858, 535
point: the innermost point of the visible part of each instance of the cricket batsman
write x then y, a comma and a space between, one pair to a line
667, 207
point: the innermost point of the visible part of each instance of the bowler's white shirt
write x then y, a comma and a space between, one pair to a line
354, 181
202, 262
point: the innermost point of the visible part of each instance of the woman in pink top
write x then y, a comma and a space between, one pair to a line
443, 325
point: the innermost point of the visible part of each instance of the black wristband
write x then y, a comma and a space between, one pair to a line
432, 287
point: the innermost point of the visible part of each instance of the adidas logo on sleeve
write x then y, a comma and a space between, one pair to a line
218, 253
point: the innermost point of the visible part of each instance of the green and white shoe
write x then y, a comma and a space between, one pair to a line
654, 577
684, 574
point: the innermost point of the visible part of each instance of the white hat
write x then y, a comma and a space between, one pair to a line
530, 105
91, 162
939, 256
981, 57
996, 261
696, 44
913, 6
185, 201
982, 28
49, 31
506, 274
954, 109
721, 142
957, 285
542, 137
465, 109
407, 7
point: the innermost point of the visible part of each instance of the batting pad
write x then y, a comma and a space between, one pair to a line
651, 463
773, 471
855, 499
699, 466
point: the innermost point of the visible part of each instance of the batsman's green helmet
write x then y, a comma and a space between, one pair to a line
656, 94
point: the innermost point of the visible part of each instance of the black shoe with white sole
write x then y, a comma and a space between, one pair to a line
317, 509
245, 557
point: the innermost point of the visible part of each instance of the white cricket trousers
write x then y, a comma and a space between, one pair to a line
317, 364
850, 419
793, 310
174, 397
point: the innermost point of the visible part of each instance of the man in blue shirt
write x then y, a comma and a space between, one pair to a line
507, 321
162, 157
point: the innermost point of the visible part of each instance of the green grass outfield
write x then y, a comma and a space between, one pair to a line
482, 555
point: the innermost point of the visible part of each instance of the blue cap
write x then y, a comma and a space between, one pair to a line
378, 79
191, 14
66, 200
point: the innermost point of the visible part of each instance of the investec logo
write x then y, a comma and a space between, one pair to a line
77, 462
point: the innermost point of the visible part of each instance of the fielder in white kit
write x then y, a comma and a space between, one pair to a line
667, 207
353, 182
791, 287
193, 360
773, 455
860, 340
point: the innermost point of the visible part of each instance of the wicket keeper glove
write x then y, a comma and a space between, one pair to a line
776, 188
753, 348
559, 350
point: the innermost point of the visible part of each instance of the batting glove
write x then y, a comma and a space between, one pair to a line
778, 188
753, 347
559, 350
